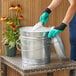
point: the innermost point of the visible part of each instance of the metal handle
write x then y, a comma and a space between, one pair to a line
17, 43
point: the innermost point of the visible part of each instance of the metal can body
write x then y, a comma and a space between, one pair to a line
35, 47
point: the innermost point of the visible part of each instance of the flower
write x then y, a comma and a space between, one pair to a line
10, 22
21, 17
13, 27
16, 26
12, 7
1, 71
3, 18
18, 8
13, 24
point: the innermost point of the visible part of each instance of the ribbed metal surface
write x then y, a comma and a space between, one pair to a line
35, 46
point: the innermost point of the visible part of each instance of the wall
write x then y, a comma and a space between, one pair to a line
32, 10
0, 28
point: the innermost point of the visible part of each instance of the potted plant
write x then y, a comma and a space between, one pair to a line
12, 31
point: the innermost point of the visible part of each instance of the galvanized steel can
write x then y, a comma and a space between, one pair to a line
36, 46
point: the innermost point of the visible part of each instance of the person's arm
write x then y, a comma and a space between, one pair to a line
69, 15
70, 12
45, 16
54, 4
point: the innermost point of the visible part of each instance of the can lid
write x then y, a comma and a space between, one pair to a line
59, 46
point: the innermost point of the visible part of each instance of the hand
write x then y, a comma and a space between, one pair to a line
54, 31
45, 16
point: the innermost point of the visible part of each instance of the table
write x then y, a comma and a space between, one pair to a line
26, 69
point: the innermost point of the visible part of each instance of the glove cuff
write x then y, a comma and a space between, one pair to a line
48, 10
61, 27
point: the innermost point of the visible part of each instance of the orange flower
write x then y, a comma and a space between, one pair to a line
12, 7
1, 71
10, 22
14, 27
21, 17
18, 8
3, 18
18, 5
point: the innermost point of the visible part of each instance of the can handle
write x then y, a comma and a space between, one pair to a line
18, 44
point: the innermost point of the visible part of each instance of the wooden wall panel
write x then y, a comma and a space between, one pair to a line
4, 13
11, 72
0, 28
58, 73
32, 10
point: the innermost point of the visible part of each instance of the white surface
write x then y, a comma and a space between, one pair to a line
30, 29
38, 26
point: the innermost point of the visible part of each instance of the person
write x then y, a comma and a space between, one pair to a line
69, 19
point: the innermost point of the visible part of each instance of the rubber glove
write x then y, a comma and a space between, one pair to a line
43, 19
45, 16
54, 31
